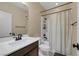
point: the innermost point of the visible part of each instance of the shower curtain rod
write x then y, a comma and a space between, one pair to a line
56, 7
56, 12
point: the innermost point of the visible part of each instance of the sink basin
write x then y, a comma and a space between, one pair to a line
21, 42
17, 43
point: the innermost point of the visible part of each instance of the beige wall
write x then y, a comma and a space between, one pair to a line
18, 17
34, 22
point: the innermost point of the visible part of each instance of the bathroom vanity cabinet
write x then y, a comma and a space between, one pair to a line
30, 50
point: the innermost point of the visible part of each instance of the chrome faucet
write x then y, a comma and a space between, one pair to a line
19, 37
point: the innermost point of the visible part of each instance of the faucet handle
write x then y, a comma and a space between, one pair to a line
13, 34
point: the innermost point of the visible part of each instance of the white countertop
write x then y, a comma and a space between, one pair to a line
8, 47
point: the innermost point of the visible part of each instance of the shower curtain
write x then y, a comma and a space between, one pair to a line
60, 32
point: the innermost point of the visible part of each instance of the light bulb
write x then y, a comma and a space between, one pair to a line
56, 3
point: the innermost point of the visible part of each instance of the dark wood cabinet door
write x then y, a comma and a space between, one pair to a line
34, 52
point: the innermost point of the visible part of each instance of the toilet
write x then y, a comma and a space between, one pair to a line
44, 49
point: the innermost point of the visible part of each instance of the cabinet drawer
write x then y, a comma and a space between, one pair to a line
25, 50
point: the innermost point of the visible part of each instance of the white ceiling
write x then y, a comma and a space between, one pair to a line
20, 5
48, 5
45, 5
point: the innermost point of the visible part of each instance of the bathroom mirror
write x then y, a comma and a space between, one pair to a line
13, 18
